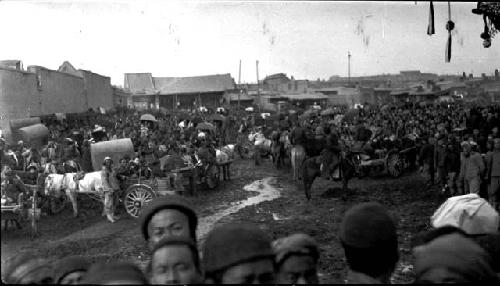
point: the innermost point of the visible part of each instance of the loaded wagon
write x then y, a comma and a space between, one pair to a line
139, 190
36, 135
25, 210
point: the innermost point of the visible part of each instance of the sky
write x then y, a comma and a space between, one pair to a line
307, 40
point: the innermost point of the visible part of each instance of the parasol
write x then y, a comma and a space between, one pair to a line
205, 126
249, 109
217, 117
148, 117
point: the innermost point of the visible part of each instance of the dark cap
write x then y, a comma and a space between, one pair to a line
68, 265
101, 273
295, 244
457, 253
178, 240
231, 244
168, 202
367, 225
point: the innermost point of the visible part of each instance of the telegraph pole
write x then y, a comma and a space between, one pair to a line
239, 86
258, 85
349, 66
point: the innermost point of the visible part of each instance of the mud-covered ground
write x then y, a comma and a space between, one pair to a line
90, 235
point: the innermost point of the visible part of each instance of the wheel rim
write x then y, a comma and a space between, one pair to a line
135, 199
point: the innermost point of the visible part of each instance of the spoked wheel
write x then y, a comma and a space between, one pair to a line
136, 197
395, 165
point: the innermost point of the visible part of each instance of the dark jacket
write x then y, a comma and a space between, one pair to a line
427, 155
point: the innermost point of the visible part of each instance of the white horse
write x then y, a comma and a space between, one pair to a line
91, 183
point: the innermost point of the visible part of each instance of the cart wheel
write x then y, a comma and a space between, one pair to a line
57, 205
394, 165
135, 198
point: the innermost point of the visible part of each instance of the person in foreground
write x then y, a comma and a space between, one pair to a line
238, 253
175, 260
368, 236
297, 258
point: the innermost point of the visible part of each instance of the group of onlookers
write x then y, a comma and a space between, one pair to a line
243, 253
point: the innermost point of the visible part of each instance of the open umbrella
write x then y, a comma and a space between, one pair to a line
148, 117
249, 109
216, 117
205, 126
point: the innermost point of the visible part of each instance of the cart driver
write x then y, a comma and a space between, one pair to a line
109, 187
12, 186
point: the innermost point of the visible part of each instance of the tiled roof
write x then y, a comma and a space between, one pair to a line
201, 84
139, 82
314, 96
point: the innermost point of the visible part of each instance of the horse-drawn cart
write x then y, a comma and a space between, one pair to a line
25, 210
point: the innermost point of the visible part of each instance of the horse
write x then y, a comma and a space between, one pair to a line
90, 183
277, 150
297, 157
262, 146
313, 167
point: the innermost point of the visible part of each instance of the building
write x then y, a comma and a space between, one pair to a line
280, 83
178, 92
39, 91
341, 96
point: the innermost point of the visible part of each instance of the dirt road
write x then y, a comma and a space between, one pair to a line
261, 195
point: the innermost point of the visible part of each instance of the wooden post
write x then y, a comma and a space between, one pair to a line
258, 87
239, 90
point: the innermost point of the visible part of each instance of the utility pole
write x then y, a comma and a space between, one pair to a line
258, 86
349, 66
239, 86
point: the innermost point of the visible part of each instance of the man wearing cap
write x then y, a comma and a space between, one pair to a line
70, 270
368, 236
168, 216
471, 169
175, 260
109, 185
452, 258
118, 273
296, 259
238, 254
493, 175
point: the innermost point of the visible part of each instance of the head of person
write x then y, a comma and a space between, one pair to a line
32, 168
466, 148
117, 273
475, 132
296, 259
169, 216
452, 258
368, 236
238, 254
494, 131
496, 144
70, 270
124, 162
175, 260
108, 163
27, 268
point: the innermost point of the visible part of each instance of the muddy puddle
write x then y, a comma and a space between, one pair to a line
266, 192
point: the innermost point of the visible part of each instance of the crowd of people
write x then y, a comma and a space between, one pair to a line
457, 149
243, 253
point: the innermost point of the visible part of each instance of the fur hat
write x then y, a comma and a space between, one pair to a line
295, 244
231, 244
456, 253
68, 265
367, 225
168, 202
